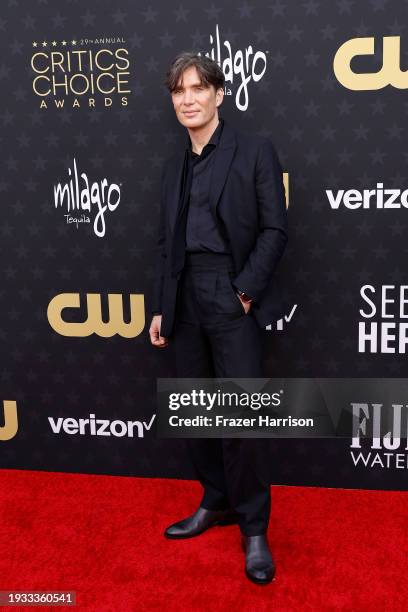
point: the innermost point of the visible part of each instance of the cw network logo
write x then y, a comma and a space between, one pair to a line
93, 324
100, 427
10, 427
390, 72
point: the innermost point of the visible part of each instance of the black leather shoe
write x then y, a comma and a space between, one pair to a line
259, 565
199, 522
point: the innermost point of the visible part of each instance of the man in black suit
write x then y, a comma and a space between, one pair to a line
222, 232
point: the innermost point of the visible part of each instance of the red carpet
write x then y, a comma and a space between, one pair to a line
102, 537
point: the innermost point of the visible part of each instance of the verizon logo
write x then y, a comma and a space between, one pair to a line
100, 427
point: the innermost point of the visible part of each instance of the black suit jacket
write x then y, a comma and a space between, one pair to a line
248, 197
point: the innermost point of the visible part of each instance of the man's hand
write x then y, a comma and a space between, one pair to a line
155, 338
246, 305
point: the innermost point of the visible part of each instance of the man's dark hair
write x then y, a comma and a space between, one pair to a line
209, 71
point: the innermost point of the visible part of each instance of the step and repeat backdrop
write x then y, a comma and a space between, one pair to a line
86, 124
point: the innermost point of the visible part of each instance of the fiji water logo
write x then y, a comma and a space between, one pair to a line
79, 196
243, 65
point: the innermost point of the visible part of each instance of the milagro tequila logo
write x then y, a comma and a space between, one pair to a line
78, 195
245, 65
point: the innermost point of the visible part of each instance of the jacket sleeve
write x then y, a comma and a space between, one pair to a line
273, 225
160, 255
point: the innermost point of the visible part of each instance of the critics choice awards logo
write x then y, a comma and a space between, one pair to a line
80, 73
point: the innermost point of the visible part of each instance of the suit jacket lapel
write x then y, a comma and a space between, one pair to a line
175, 182
224, 154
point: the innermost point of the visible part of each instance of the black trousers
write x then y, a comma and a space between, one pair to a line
213, 337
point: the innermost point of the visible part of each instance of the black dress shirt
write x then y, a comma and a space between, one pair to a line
202, 230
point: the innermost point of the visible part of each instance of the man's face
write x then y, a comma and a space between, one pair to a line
195, 104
